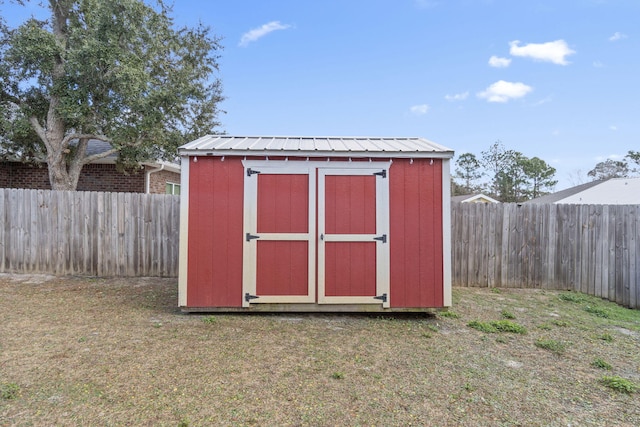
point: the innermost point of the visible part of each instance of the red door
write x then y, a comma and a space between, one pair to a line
353, 224
279, 247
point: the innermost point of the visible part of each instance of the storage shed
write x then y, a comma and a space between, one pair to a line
314, 224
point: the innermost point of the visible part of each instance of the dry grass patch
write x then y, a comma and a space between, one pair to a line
79, 351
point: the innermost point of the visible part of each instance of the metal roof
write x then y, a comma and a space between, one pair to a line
614, 191
333, 146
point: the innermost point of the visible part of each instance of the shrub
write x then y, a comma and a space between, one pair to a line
620, 384
571, 297
509, 326
597, 311
601, 364
482, 326
507, 314
449, 314
551, 345
497, 326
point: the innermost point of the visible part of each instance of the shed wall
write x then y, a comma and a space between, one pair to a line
416, 233
216, 233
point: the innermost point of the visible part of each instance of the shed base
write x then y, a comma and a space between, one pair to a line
313, 308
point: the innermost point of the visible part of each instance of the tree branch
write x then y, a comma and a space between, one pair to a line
5, 96
67, 139
42, 134
98, 156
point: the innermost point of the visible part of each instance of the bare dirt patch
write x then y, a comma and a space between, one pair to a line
78, 351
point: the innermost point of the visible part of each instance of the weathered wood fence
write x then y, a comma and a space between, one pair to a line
89, 233
588, 248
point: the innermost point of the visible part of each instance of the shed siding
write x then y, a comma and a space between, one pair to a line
416, 233
216, 235
215, 232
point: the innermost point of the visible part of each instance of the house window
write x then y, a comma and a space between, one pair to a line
172, 188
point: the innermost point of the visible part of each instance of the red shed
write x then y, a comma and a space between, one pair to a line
314, 224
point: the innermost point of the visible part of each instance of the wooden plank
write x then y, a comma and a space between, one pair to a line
464, 244
619, 252
516, 245
611, 249
3, 229
549, 245
635, 267
599, 234
583, 244
626, 253
120, 215
499, 213
127, 235
472, 243
603, 243
632, 222
504, 272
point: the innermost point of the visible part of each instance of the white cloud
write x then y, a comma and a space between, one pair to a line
598, 64
419, 110
457, 96
502, 91
613, 127
555, 51
497, 62
617, 36
256, 33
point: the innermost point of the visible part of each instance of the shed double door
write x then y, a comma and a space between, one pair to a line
316, 232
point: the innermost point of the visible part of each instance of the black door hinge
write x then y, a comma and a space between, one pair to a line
382, 297
382, 238
382, 173
251, 237
251, 171
248, 297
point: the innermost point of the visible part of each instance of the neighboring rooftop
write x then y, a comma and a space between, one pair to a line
614, 191
97, 146
474, 198
316, 146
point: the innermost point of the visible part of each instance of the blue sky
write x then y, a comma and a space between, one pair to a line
556, 79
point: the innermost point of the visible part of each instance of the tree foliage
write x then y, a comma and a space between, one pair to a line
634, 156
513, 177
539, 177
112, 70
468, 170
609, 169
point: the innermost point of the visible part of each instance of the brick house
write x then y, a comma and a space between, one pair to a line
157, 177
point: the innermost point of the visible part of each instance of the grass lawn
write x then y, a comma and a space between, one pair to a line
78, 351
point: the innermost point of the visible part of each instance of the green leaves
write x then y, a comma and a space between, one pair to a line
116, 70
513, 177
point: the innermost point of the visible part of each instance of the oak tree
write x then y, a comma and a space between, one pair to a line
117, 71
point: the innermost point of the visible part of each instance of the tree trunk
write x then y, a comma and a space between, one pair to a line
60, 176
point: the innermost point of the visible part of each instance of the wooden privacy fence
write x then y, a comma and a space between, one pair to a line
588, 248
89, 233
